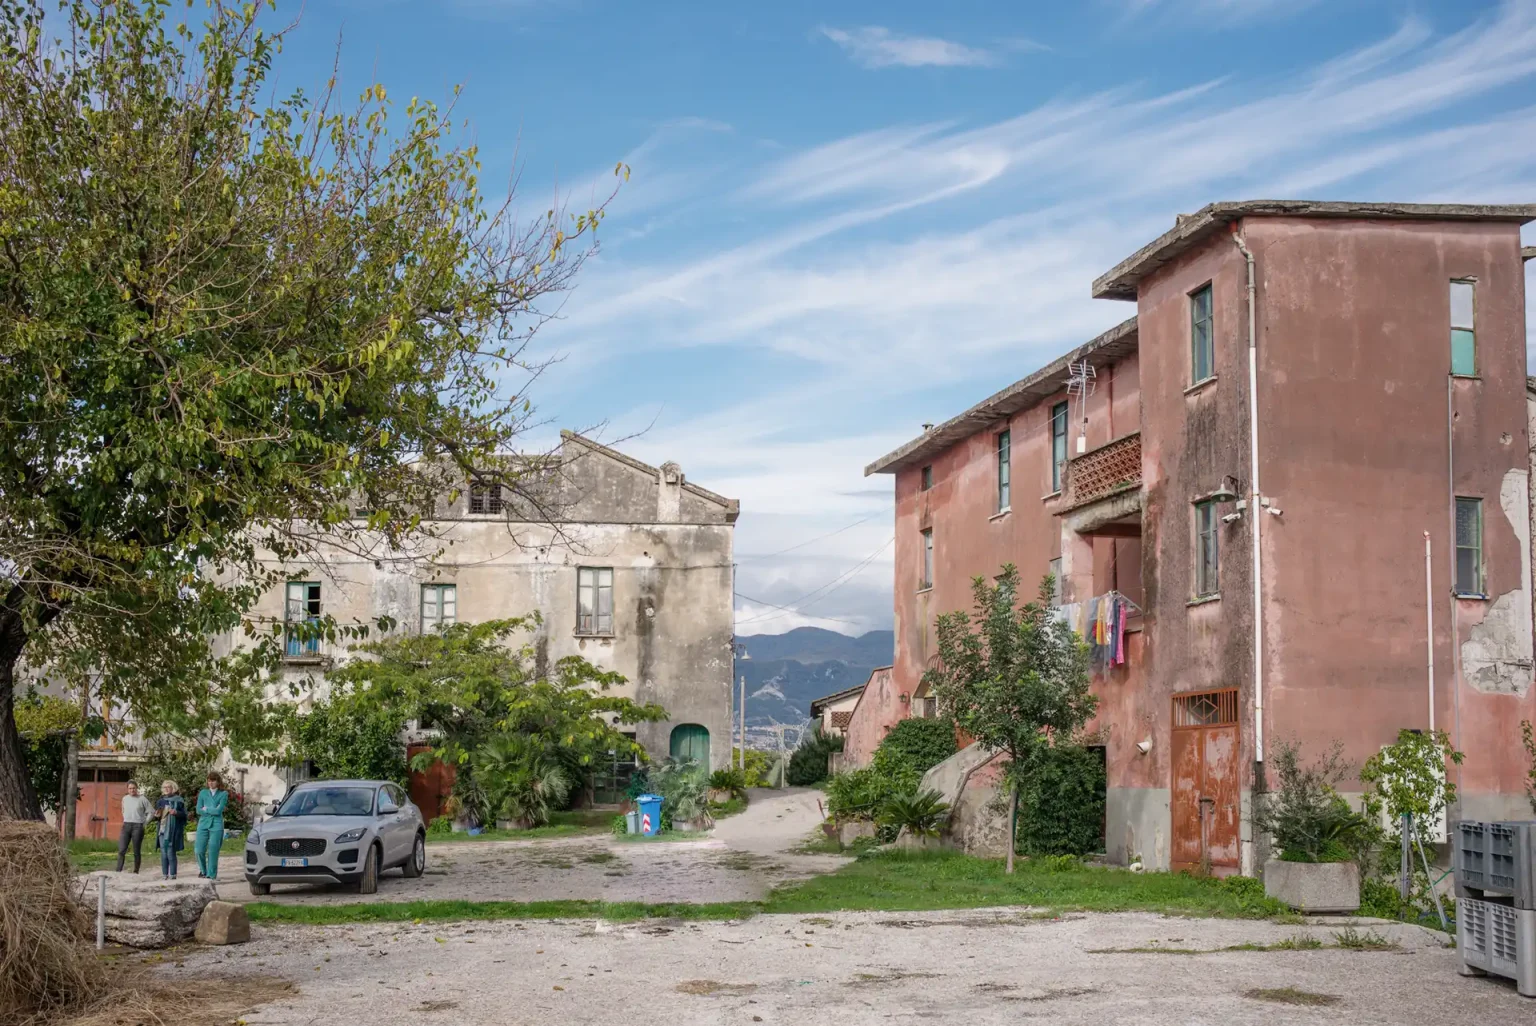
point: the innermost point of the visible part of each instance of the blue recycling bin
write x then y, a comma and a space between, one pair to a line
650, 814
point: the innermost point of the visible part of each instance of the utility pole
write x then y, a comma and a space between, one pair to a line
743, 722
71, 789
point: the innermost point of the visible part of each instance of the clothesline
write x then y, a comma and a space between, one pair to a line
1101, 621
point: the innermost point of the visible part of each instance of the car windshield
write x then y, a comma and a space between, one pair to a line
328, 801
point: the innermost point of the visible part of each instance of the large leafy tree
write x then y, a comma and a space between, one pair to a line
226, 324
508, 724
1014, 677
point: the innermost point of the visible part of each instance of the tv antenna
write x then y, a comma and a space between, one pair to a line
1081, 382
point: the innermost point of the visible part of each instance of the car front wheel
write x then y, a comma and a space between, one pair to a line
417, 863
369, 884
261, 890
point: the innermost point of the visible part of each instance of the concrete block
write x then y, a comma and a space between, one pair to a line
1314, 886
147, 912
850, 830
223, 922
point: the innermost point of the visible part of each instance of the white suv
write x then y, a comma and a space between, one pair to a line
336, 831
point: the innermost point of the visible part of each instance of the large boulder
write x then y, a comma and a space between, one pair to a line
145, 911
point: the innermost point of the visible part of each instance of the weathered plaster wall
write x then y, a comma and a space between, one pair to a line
1355, 422
879, 708
673, 618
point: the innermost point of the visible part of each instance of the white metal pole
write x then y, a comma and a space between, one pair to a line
1429, 618
743, 722
101, 912
1255, 507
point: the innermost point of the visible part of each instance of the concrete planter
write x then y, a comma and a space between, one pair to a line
850, 830
908, 841
1314, 886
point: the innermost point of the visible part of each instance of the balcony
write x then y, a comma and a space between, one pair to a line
1109, 470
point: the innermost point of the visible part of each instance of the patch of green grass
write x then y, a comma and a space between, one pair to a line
89, 855
730, 807
599, 858
665, 835
917, 881
1290, 996
442, 911
878, 882
572, 823
1370, 940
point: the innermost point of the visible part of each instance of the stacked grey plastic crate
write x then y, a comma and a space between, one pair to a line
1495, 867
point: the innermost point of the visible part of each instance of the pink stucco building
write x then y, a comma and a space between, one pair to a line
1307, 394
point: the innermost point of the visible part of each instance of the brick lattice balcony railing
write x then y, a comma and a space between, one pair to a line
1110, 468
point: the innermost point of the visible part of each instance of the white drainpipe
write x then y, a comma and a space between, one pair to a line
1254, 508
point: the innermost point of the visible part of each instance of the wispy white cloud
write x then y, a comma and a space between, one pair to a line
907, 271
873, 46
1222, 12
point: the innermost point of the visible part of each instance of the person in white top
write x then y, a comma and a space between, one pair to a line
136, 812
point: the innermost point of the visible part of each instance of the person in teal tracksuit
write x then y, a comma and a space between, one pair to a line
211, 802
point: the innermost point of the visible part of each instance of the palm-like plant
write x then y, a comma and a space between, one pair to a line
922, 814
524, 782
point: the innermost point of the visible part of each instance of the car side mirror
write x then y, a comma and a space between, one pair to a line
386, 806
272, 808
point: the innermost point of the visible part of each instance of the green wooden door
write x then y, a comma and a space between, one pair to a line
690, 741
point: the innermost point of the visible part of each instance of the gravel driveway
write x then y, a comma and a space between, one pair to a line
977, 967
743, 858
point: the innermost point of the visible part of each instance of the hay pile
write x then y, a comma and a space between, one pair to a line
50, 974
46, 961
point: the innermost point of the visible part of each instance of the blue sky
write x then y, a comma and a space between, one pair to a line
847, 219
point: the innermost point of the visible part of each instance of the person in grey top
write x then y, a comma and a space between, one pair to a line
136, 812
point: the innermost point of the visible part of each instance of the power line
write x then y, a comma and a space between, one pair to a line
825, 589
829, 534
787, 609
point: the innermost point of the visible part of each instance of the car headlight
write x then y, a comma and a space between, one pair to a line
254, 837
352, 835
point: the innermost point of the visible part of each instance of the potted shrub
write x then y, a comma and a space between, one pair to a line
917, 819
725, 784
1319, 840
684, 790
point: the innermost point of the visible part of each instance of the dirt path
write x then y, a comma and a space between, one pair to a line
741, 860
979, 967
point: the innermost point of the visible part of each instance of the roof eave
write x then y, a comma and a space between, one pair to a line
1123, 280
1103, 349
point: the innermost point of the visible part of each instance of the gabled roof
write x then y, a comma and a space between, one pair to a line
821, 703
1022, 394
1122, 280
732, 506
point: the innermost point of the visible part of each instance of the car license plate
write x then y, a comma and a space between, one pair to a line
295, 863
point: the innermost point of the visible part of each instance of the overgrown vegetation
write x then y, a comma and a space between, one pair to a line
914, 746
1307, 817
521, 744
1528, 742
45, 723
921, 814
1409, 777
1014, 677
808, 765
1061, 812
348, 737
684, 790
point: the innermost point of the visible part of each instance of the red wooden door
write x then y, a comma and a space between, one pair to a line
99, 811
430, 788
1206, 800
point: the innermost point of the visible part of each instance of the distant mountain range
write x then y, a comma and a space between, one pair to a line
786, 672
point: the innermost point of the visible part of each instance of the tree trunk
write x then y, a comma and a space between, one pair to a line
70, 801
1013, 822
17, 799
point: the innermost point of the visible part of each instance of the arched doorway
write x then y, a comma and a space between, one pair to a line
690, 741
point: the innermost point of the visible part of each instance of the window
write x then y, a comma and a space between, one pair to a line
485, 498
1056, 582
927, 578
929, 708
1207, 550
1463, 330
927, 478
302, 607
1004, 474
594, 600
1469, 547
439, 606
1201, 345
1058, 444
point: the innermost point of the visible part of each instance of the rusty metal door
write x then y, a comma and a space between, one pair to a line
1205, 795
430, 788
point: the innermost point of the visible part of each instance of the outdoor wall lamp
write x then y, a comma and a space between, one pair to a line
1144, 745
